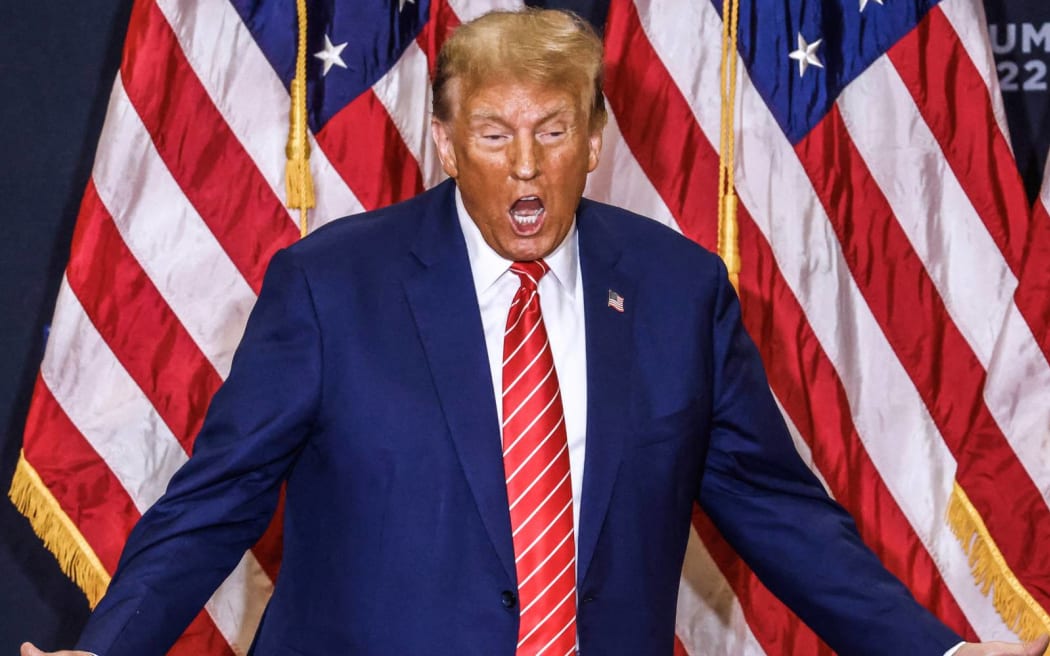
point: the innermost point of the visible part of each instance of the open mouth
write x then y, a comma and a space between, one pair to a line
526, 215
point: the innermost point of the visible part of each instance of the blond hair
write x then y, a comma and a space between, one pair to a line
546, 46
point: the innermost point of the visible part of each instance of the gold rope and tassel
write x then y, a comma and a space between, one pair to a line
58, 532
298, 182
1021, 613
728, 229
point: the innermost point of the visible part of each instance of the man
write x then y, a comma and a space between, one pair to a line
494, 406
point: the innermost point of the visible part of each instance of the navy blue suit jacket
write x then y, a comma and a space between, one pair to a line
362, 381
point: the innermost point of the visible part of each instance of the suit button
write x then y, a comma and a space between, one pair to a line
588, 599
508, 599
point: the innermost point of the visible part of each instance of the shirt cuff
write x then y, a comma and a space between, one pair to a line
954, 649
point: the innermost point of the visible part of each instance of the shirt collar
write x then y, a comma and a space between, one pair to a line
486, 265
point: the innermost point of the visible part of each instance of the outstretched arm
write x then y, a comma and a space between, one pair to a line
219, 503
799, 542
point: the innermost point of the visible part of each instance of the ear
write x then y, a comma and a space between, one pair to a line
595, 149
442, 134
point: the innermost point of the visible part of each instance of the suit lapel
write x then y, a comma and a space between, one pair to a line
445, 308
609, 364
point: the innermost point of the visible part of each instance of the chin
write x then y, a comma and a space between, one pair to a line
526, 252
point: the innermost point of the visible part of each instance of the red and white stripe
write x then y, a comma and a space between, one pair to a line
913, 310
536, 466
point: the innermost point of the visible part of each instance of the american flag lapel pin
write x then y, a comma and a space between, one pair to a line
615, 301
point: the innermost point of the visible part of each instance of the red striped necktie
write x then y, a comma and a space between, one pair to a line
539, 488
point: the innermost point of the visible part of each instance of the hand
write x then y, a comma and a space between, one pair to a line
29, 649
1033, 648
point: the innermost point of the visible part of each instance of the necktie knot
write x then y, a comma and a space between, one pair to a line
530, 272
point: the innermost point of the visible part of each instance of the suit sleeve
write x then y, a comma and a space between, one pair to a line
219, 503
774, 512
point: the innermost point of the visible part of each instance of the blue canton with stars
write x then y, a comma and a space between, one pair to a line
800, 54
376, 34
852, 35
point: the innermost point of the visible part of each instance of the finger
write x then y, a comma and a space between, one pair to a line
29, 649
1037, 647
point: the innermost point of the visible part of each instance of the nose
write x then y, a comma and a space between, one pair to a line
525, 158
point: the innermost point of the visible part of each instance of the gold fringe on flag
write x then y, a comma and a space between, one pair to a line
298, 182
728, 230
60, 535
1020, 612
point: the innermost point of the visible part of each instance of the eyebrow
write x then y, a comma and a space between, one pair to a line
483, 115
486, 117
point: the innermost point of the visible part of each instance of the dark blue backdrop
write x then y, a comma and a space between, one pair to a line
57, 63
1020, 31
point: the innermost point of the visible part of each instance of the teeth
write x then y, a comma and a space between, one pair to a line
530, 216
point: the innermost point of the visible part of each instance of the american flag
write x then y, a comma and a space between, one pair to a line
894, 276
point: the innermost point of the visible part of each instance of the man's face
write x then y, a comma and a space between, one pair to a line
520, 153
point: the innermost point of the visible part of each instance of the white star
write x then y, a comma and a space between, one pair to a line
401, 4
864, 3
806, 55
330, 55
